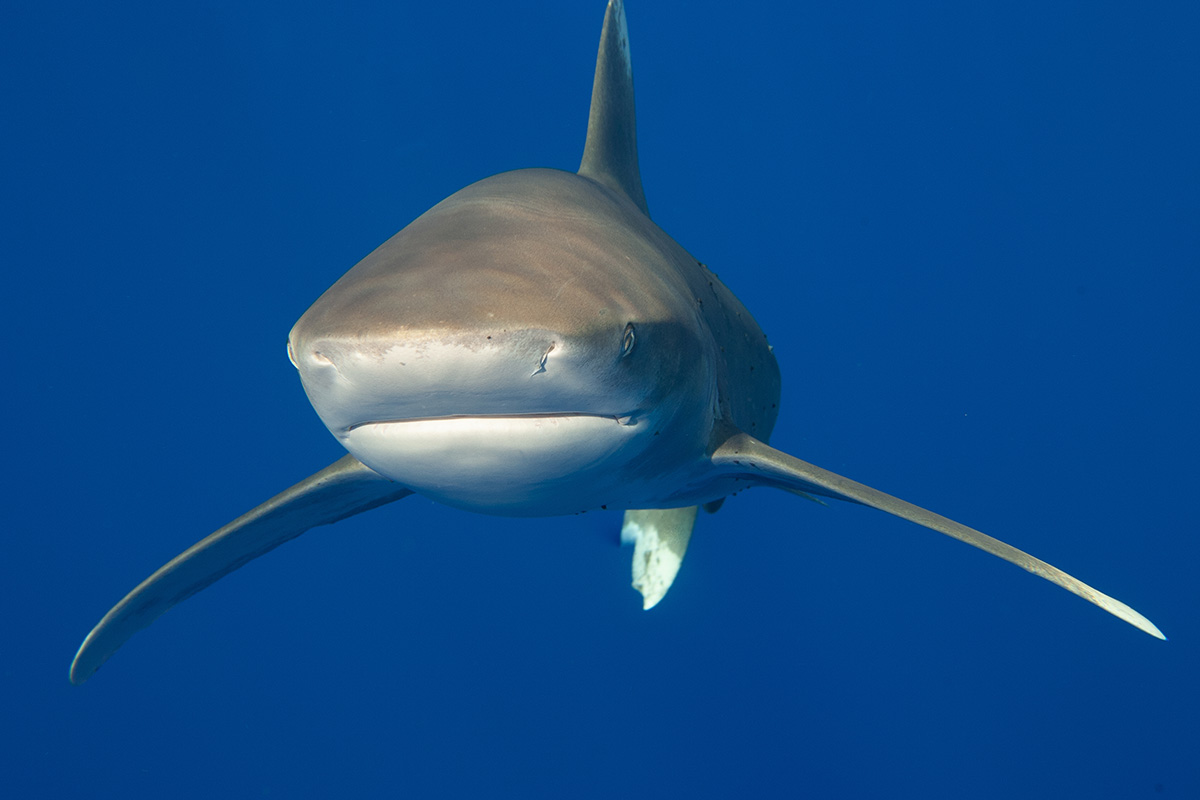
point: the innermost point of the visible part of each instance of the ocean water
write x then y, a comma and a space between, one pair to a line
972, 233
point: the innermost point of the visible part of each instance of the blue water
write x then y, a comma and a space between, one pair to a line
972, 233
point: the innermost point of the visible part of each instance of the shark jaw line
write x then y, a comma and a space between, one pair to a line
627, 419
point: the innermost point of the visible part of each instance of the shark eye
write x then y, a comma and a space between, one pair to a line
628, 340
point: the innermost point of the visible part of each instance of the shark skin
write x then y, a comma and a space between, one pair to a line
535, 345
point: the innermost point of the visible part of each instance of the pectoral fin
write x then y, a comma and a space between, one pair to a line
743, 455
660, 537
341, 490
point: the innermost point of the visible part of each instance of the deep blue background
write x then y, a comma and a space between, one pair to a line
972, 234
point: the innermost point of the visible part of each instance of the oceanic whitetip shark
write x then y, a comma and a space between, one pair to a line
535, 345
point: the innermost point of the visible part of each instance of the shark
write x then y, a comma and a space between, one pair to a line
535, 345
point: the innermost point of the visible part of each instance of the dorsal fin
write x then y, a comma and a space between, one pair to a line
610, 153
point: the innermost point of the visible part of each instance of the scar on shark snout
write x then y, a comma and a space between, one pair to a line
542, 363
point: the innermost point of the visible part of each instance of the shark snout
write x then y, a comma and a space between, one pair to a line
340, 389
301, 357
317, 363
354, 382
312, 358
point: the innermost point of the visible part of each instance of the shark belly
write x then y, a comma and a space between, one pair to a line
539, 465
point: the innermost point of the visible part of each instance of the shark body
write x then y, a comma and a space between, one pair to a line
535, 345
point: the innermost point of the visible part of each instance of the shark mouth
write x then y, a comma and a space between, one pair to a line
621, 419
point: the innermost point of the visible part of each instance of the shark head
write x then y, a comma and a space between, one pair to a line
526, 346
